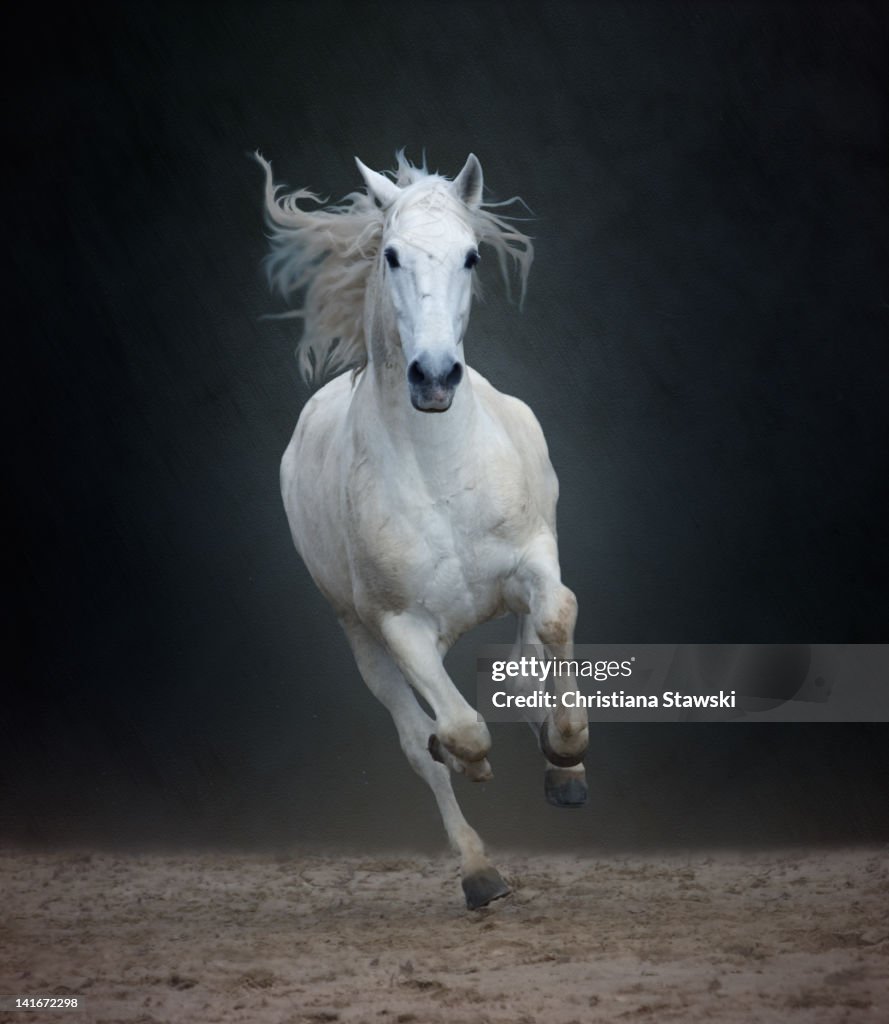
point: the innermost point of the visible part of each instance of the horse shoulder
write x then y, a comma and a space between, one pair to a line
310, 472
527, 440
316, 431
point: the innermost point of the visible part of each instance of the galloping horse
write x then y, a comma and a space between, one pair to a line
421, 499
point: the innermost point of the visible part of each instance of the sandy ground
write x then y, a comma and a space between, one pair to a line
150, 938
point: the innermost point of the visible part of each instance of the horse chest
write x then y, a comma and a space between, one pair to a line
455, 565
447, 550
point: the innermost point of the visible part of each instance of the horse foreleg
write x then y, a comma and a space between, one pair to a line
562, 786
537, 592
458, 726
481, 881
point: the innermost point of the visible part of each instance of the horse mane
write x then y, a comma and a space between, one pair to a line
329, 254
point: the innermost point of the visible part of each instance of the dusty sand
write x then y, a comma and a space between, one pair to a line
147, 938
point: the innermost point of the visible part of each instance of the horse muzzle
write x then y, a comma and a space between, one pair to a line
433, 391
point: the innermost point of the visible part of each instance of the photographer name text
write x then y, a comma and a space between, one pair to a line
543, 669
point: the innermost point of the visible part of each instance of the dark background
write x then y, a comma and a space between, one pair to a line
704, 341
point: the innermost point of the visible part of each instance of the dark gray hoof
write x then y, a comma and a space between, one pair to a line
483, 887
564, 789
435, 750
562, 760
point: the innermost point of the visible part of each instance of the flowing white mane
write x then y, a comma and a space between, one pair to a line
329, 254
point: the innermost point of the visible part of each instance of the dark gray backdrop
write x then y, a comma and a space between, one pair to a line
704, 341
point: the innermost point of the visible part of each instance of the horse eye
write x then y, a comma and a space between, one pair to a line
472, 257
392, 258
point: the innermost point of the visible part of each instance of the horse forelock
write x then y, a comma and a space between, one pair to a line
328, 254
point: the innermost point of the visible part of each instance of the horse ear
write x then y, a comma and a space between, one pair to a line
469, 182
378, 186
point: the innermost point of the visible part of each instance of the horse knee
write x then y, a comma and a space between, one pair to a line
556, 617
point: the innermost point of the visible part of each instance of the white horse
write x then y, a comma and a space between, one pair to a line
421, 499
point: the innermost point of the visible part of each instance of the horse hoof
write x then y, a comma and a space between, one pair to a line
483, 887
435, 749
563, 788
562, 760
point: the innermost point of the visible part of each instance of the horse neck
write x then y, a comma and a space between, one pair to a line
440, 440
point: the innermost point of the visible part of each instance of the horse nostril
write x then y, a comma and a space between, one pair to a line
414, 374
455, 376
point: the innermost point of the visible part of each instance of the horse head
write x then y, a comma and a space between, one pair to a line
428, 251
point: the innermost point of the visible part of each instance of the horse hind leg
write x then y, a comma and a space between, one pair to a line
481, 881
